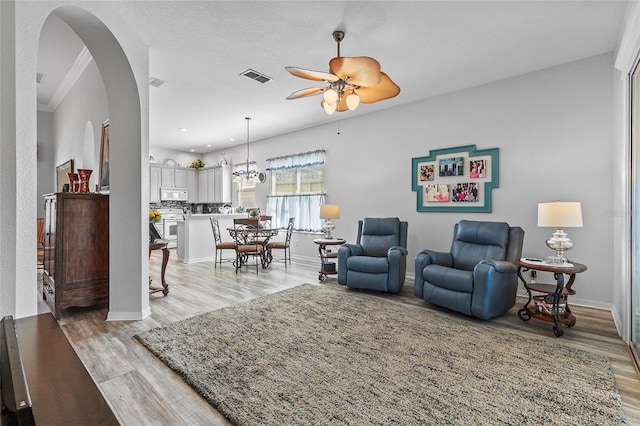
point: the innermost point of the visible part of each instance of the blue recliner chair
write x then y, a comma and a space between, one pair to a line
479, 276
378, 259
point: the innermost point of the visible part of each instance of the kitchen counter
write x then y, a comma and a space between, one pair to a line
195, 236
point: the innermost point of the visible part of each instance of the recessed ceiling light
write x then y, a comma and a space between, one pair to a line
182, 129
209, 145
192, 150
231, 139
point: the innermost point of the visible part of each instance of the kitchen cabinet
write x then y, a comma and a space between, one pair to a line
192, 186
172, 177
211, 186
154, 183
76, 250
167, 177
223, 184
214, 185
202, 186
180, 178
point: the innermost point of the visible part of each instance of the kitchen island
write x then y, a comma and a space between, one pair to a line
195, 236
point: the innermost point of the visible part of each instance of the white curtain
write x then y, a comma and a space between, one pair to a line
305, 208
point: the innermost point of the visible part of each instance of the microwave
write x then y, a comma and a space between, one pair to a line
173, 194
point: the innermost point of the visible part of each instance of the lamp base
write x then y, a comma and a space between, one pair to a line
328, 229
560, 242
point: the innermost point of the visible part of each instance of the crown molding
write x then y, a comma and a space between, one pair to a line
79, 65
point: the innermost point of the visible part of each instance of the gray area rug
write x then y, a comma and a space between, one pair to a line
315, 355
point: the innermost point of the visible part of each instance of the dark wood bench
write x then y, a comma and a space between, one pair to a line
62, 391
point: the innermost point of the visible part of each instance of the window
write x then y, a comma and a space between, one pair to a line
297, 190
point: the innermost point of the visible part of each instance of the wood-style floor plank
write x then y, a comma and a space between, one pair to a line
142, 390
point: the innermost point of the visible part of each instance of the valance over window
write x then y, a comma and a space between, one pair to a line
305, 159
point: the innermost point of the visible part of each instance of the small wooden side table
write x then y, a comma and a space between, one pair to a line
326, 254
160, 245
560, 292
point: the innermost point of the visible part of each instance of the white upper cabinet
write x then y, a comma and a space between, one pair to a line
192, 186
180, 179
167, 177
154, 183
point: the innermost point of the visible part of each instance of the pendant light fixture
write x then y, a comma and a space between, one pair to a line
248, 175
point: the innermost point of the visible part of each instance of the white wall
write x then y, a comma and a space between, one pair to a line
46, 162
85, 103
554, 131
123, 61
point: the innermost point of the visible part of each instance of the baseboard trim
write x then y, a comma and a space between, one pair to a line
128, 316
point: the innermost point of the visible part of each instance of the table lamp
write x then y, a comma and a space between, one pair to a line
560, 215
328, 212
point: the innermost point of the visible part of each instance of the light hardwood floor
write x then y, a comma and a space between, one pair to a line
143, 391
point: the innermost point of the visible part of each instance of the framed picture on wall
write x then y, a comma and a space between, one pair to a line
104, 158
61, 174
455, 179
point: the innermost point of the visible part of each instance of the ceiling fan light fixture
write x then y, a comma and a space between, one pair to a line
329, 109
347, 74
353, 100
330, 97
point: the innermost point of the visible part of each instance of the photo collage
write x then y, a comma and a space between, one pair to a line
455, 180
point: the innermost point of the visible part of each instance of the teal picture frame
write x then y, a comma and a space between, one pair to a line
469, 175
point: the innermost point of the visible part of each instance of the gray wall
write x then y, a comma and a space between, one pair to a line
553, 128
554, 131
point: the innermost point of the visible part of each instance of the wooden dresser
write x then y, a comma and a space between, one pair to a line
76, 250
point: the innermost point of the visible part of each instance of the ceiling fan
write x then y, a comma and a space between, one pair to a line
352, 80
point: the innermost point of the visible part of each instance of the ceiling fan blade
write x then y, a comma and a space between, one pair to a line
359, 71
312, 75
303, 93
384, 90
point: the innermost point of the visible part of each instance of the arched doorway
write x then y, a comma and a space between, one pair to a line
128, 271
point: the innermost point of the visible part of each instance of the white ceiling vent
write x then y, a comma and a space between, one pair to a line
40, 77
255, 75
156, 82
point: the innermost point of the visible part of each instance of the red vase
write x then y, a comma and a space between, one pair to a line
84, 175
74, 182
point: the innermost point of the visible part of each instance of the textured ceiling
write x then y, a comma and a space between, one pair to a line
427, 47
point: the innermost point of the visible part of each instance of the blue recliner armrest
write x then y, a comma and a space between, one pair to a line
397, 257
344, 252
428, 257
494, 289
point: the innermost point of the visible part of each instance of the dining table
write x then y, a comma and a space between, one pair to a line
251, 235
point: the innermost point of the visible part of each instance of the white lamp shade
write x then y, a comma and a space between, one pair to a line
353, 100
329, 211
329, 109
330, 97
560, 214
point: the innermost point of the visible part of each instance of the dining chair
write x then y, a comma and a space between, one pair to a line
220, 245
282, 245
265, 221
244, 235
